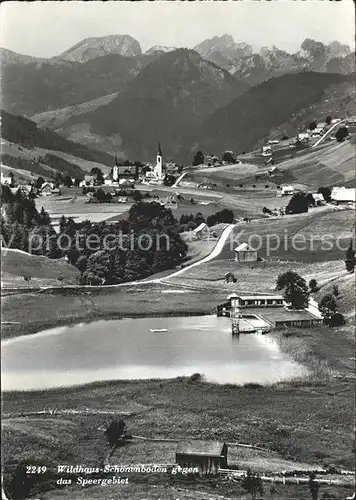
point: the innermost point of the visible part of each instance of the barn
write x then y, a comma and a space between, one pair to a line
245, 253
202, 231
207, 456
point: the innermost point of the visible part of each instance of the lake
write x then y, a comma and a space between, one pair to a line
127, 349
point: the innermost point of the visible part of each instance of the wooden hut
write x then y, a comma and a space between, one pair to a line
207, 456
245, 253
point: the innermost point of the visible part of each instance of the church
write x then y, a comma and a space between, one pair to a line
157, 174
122, 172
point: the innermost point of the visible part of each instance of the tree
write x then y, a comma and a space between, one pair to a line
313, 285
313, 487
198, 159
341, 134
169, 180
350, 259
328, 308
114, 431
295, 289
39, 182
137, 196
328, 120
229, 157
67, 181
312, 125
326, 192
310, 200
253, 484
298, 204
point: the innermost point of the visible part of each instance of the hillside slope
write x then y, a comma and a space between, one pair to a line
32, 88
173, 93
16, 264
242, 123
24, 132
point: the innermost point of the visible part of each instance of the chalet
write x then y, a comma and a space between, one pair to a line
245, 253
303, 137
207, 457
266, 151
287, 190
202, 231
318, 198
317, 132
48, 189
341, 195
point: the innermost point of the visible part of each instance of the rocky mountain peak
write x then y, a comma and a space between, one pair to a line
91, 48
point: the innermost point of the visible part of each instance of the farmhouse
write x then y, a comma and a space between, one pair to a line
303, 137
287, 190
317, 132
207, 457
245, 253
202, 231
318, 198
48, 189
343, 195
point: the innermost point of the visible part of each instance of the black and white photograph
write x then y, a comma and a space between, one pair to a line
178, 250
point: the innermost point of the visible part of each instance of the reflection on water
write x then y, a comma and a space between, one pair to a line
127, 349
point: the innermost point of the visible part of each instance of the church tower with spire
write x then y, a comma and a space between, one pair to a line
115, 171
158, 170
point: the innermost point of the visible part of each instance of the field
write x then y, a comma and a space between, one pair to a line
34, 153
73, 205
290, 237
43, 271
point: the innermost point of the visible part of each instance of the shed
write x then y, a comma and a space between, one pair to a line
230, 278
201, 231
207, 456
245, 253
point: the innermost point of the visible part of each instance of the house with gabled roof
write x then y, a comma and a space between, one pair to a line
245, 253
207, 456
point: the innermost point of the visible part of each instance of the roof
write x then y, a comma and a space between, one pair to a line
287, 188
200, 227
253, 297
244, 247
204, 448
318, 196
343, 194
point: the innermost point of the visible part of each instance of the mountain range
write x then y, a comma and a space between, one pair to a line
105, 93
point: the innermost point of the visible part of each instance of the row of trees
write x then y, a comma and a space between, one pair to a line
296, 292
199, 158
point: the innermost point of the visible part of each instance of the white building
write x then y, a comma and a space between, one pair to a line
157, 174
202, 231
5, 178
343, 195
287, 190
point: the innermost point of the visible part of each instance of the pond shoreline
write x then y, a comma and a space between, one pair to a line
16, 330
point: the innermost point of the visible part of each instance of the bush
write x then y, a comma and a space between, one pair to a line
313, 285
341, 134
298, 204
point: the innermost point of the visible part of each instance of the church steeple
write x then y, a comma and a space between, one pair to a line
159, 151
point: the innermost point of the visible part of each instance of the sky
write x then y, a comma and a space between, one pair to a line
45, 29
